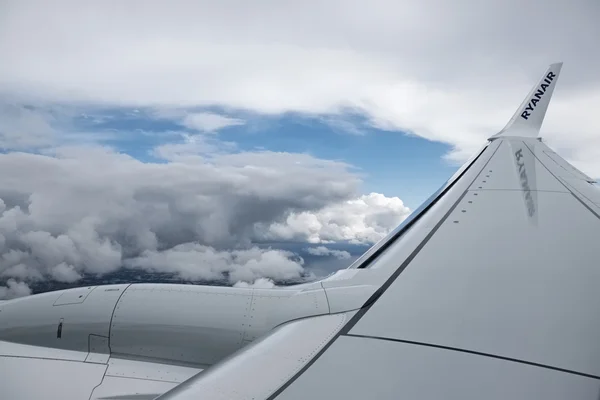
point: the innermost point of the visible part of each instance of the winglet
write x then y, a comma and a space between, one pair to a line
527, 121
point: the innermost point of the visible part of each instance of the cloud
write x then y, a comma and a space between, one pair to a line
200, 121
64, 272
324, 251
75, 211
193, 261
14, 289
260, 283
455, 75
209, 122
365, 219
193, 148
25, 128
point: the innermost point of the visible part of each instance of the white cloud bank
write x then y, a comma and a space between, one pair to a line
14, 289
365, 219
197, 262
447, 71
260, 283
90, 210
324, 251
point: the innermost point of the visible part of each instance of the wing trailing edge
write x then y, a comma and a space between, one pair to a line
527, 120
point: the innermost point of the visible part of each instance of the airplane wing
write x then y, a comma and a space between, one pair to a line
489, 290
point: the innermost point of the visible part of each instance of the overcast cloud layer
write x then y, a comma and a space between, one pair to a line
452, 72
447, 71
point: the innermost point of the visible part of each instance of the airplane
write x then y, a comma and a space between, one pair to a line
490, 289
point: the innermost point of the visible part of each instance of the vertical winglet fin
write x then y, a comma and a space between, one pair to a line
527, 121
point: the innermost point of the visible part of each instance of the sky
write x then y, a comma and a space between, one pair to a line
205, 138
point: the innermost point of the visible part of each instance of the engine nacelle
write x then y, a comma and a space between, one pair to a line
67, 319
183, 324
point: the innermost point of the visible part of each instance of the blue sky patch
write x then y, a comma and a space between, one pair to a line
392, 163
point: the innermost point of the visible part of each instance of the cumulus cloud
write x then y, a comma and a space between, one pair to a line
64, 272
458, 82
91, 210
365, 219
14, 289
193, 261
324, 251
260, 283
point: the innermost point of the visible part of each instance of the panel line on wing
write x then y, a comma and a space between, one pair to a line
562, 183
519, 190
478, 353
583, 195
110, 324
40, 358
574, 171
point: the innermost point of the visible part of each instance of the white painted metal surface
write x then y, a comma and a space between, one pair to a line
99, 350
414, 236
34, 378
36, 320
443, 195
577, 182
350, 297
113, 388
562, 168
24, 350
74, 296
357, 368
495, 283
204, 324
149, 370
273, 307
501, 173
261, 368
